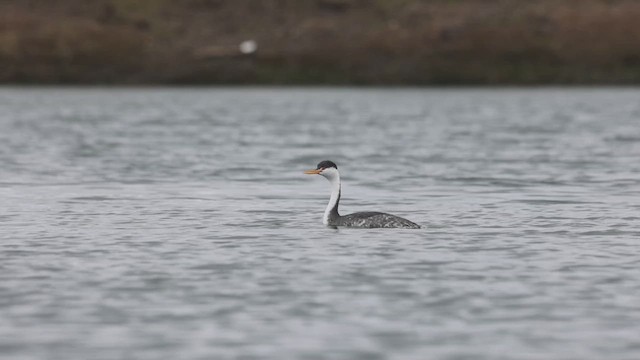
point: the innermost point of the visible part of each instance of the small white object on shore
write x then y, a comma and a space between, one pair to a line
248, 47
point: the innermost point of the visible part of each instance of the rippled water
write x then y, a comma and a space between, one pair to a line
177, 224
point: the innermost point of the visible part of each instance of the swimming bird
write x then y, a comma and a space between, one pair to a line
368, 219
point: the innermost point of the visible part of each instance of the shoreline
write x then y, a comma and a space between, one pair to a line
322, 42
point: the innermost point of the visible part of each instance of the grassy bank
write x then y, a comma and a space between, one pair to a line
320, 41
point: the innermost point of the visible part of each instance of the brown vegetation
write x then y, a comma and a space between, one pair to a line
320, 41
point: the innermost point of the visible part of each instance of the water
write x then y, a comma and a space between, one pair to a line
177, 224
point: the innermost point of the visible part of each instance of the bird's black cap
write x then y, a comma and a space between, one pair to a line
327, 164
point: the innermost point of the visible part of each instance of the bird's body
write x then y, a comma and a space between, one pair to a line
367, 219
373, 219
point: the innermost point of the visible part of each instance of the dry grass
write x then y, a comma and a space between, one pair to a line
322, 41
39, 49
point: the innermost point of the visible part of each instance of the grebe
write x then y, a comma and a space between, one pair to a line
368, 219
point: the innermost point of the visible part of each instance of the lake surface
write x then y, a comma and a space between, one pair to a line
177, 224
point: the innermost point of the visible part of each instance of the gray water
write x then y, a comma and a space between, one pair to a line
177, 224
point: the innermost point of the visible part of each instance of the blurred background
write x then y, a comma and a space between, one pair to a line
377, 42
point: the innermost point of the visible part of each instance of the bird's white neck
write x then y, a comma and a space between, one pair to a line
332, 207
